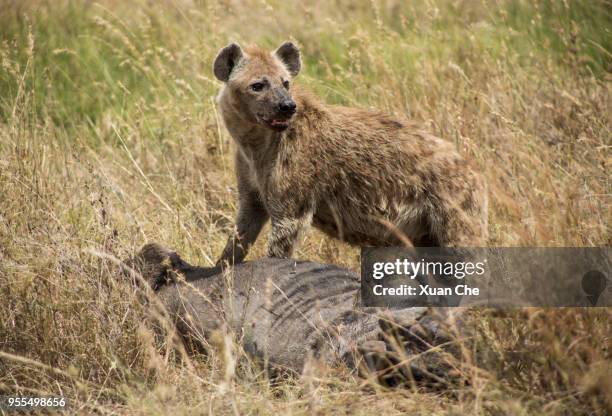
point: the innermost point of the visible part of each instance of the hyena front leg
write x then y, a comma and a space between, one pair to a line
252, 216
285, 232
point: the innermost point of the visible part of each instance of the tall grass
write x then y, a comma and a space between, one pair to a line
109, 138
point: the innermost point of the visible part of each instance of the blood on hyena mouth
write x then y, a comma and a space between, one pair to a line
277, 123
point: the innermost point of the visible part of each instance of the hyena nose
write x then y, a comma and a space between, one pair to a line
287, 107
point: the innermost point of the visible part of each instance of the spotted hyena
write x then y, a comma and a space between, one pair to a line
362, 176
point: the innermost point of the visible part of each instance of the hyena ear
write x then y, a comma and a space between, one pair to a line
289, 54
226, 60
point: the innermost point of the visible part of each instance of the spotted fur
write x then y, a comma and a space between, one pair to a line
362, 176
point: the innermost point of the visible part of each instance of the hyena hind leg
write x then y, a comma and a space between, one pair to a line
456, 227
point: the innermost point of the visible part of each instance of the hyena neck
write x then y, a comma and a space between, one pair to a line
311, 110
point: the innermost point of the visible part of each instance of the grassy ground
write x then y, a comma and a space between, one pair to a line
109, 138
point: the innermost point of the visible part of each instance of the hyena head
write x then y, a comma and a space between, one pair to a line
258, 83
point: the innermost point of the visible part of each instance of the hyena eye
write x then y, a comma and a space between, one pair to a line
257, 86
286, 84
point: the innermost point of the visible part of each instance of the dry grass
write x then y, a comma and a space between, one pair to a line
109, 138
